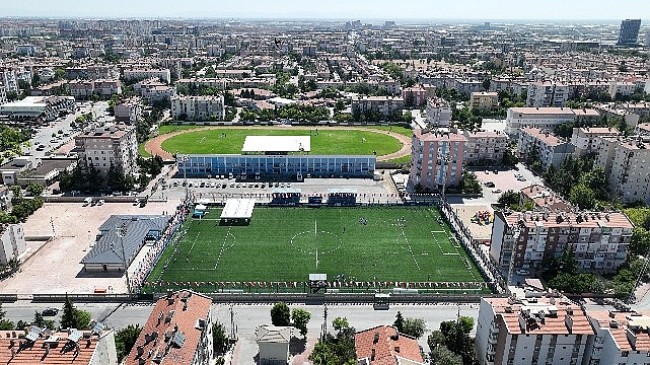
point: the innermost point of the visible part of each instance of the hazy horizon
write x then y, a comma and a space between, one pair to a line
368, 10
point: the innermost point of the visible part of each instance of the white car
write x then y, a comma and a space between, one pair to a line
522, 272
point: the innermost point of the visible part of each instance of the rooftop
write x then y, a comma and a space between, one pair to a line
238, 209
277, 144
384, 345
545, 198
173, 331
566, 219
108, 248
49, 348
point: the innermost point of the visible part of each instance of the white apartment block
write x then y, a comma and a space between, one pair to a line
198, 107
544, 118
143, 74
438, 112
586, 140
531, 330
484, 101
547, 95
550, 149
9, 80
599, 240
621, 88
13, 243
485, 146
3, 94
626, 161
385, 105
109, 145
129, 111
218, 84
622, 338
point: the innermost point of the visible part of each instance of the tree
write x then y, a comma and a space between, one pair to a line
84, 318
443, 356
280, 314
68, 320
300, 319
125, 340
340, 323
576, 283
414, 327
35, 189
399, 321
42, 322
509, 198
470, 183
486, 84
220, 341
582, 196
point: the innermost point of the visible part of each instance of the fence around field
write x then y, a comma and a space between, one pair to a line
493, 282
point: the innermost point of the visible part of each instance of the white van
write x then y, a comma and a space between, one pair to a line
87, 202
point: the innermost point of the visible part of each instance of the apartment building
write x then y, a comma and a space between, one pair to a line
9, 79
436, 160
129, 111
548, 149
195, 83
385, 105
625, 161
178, 331
81, 89
484, 101
547, 94
12, 241
642, 129
586, 139
108, 145
544, 118
531, 329
438, 112
599, 240
198, 107
153, 90
486, 147
84, 89
3, 94
416, 96
163, 75
622, 338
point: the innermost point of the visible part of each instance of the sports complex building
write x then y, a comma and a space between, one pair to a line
277, 157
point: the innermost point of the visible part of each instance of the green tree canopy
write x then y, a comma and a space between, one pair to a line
300, 319
125, 339
281, 314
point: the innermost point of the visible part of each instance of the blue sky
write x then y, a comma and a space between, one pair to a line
345, 9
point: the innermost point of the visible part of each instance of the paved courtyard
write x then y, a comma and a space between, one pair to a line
54, 266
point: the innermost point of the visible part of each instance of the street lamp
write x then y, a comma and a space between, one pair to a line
121, 232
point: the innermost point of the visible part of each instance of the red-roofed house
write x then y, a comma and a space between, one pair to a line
384, 345
178, 331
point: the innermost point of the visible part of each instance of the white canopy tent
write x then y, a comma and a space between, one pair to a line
238, 209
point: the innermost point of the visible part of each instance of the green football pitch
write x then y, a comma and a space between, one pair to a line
389, 244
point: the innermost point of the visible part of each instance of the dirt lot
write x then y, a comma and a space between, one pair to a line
55, 266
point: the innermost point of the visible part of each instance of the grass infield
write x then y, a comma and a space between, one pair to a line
326, 142
286, 244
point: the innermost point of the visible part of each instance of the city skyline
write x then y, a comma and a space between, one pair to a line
336, 9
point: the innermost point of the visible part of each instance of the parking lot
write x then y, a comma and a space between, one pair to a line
54, 267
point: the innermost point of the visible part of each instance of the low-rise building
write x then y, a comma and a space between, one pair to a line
178, 331
544, 198
38, 108
384, 105
438, 112
436, 160
385, 345
198, 107
599, 240
485, 147
545, 147
532, 330
484, 101
106, 146
586, 139
119, 240
274, 344
625, 161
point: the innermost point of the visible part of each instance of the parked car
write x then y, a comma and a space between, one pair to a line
497, 191
50, 312
490, 184
522, 272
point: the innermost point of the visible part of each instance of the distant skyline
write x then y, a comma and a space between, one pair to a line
334, 9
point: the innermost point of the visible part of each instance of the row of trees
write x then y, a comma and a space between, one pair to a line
297, 112
281, 315
451, 344
374, 116
88, 179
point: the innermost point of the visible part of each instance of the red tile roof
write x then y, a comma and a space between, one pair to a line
389, 346
35, 353
182, 319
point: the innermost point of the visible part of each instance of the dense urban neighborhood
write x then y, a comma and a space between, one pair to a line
216, 190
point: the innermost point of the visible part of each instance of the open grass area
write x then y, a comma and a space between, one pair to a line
286, 244
142, 151
326, 142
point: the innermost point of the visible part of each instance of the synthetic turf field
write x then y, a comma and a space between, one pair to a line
286, 244
326, 142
